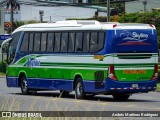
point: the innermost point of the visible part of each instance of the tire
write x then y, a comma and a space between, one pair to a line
24, 86
79, 89
64, 93
121, 96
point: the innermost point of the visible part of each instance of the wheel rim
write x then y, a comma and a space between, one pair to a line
79, 89
24, 85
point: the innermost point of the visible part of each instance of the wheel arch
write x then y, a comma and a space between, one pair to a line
20, 75
77, 75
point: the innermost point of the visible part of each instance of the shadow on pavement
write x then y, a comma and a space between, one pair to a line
71, 96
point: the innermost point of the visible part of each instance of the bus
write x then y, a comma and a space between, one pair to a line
88, 57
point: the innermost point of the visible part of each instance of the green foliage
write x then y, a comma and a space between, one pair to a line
158, 87
3, 67
17, 24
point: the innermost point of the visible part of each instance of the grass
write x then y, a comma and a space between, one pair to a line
2, 74
11, 104
158, 87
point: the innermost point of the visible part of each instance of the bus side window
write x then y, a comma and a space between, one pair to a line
43, 41
86, 38
78, 47
71, 42
97, 41
93, 43
64, 42
31, 42
101, 38
50, 42
37, 41
24, 45
57, 42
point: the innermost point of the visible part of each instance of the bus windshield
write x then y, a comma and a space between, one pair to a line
10, 46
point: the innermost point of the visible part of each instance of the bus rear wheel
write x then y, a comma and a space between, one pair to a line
121, 96
79, 89
24, 86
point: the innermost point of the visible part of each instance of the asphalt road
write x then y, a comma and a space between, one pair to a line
11, 99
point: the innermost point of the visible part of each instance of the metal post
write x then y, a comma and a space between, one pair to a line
2, 64
145, 4
50, 19
11, 18
41, 13
108, 10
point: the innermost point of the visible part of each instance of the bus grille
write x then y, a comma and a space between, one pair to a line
134, 56
99, 78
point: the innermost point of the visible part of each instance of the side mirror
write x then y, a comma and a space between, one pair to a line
5, 44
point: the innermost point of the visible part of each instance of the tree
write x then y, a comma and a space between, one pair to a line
14, 5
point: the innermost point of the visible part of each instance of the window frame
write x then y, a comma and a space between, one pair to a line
69, 32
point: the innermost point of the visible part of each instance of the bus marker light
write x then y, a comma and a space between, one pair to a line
115, 25
99, 57
115, 88
155, 74
111, 73
151, 25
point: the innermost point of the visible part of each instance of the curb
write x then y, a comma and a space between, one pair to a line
2, 76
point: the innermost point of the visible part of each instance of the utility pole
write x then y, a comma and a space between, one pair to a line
145, 4
50, 19
11, 21
108, 10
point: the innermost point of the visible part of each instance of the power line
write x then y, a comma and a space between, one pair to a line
50, 4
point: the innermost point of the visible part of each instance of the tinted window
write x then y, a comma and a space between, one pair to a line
37, 41
78, 47
93, 44
50, 42
57, 42
24, 45
64, 42
31, 42
15, 39
43, 41
101, 40
86, 40
12, 46
71, 42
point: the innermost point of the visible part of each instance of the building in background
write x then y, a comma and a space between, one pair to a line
137, 6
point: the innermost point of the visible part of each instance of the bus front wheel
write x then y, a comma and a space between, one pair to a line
121, 96
79, 89
24, 86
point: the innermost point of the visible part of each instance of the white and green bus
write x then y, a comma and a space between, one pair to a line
87, 57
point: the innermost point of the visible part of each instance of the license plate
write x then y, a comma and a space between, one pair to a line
134, 85
134, 71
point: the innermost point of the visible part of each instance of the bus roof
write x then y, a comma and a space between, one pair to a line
82, 25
